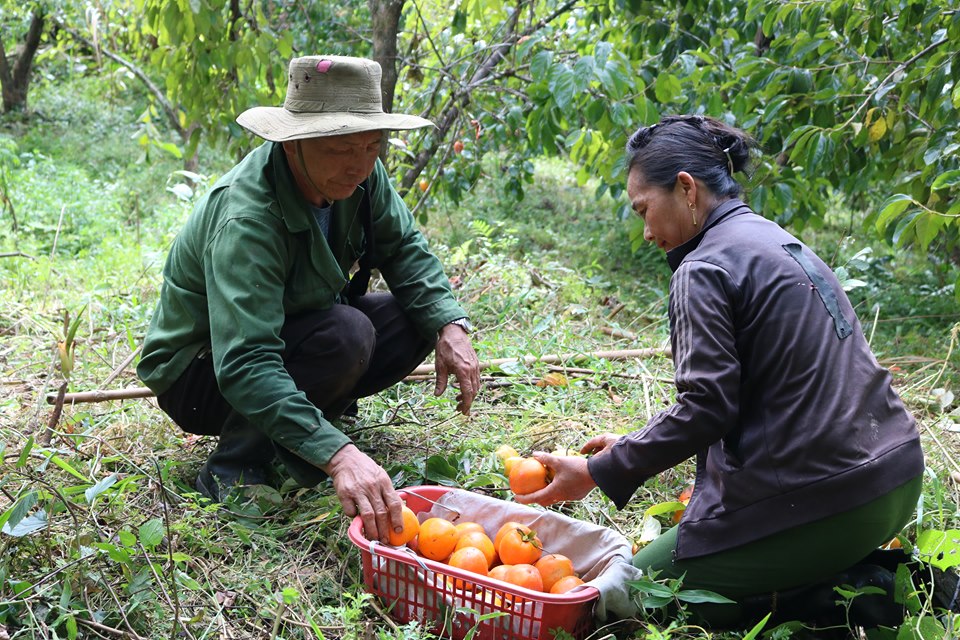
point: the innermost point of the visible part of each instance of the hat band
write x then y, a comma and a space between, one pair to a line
319, 108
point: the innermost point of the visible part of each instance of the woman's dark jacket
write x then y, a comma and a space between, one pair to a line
789, 414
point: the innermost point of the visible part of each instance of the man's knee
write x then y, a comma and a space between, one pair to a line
340, 340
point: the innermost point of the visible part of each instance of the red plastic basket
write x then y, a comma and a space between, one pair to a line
414, 588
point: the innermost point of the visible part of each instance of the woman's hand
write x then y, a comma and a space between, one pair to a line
571, 480
599, 444
455, 355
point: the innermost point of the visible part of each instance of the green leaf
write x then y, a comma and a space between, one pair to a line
602, 52
127, 538
649, 587
12, 516
438, 469
757, 628
186, 581
667, 87
94, 491
927, 227
922, 628
151, 533
27, 448
940, 548
947, 179
561, 85
540, 65
459, 22
63, 464
702, 595
891, 208
663, 508
289, 595
818, 146
30, 524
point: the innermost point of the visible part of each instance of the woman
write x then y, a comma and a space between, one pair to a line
807, 459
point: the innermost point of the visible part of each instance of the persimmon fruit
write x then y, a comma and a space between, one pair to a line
510, 463
411, 527
527, 476
478, 540
505, 451
506, 527
566, 584
524, 575
464, 527
499, 572
553, 567
683, 498
469, 559
519, 547
437, 539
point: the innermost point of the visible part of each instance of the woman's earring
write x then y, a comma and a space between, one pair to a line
693, 212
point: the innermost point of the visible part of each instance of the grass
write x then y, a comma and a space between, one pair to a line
123, 546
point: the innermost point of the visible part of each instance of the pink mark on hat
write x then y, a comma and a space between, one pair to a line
323, 65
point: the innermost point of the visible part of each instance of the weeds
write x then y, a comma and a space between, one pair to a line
103, 534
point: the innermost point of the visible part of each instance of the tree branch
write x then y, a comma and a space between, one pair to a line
461, 97
889, 77
173, 117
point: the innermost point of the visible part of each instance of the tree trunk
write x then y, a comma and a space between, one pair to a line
385, 16
16, 81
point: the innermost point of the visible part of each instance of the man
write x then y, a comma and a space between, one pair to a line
257, 337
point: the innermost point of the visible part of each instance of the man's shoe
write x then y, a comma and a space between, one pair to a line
221, 484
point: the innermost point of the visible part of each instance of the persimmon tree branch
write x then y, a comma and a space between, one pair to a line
484, 70
899, 69
169, 110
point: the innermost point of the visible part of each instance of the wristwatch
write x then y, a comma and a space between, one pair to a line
463, 323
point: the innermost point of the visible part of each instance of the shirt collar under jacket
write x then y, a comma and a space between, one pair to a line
723, 210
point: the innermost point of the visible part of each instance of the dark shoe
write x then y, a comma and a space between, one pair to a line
220, 485
875, 609
241, 458
822, 606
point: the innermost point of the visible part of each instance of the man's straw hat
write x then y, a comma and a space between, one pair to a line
327, 96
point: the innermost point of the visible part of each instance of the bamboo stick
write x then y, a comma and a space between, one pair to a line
101, 395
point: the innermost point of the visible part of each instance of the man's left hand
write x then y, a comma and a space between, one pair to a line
455, 355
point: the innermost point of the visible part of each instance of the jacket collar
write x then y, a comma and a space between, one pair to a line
723, 211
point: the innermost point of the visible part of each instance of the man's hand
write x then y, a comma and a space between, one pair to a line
455, 355
364, 488
571, 480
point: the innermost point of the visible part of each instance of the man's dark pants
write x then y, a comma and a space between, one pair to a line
334, 356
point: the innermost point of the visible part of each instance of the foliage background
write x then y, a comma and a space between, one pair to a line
99, 168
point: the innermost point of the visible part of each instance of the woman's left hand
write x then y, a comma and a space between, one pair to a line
571, 480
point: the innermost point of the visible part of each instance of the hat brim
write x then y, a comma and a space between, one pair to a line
279, 125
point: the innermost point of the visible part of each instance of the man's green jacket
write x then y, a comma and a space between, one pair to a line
252, 253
